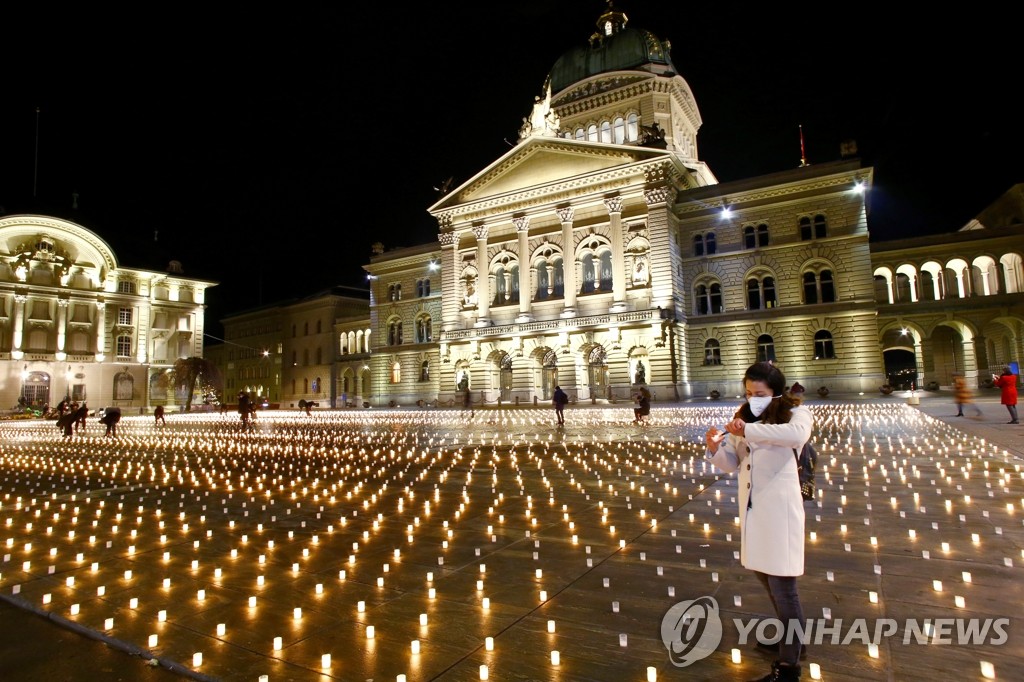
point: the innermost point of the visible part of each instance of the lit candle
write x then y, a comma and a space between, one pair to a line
277, 644
988, 671
197, 659
369, 632
423, 619
652, 674
325, 661
415, 645
555, 658
815, 670
483, 672
152, 641
489, 644
221, 629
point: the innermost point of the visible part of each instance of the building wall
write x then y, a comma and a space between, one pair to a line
64, 304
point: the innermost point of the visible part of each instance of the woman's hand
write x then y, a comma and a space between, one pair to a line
736, 427
714, 438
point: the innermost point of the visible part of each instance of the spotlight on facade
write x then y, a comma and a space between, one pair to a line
726, 213
858, 187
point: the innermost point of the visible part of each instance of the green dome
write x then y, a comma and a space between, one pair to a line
616, 48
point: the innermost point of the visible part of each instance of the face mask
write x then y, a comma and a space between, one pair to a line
759, 404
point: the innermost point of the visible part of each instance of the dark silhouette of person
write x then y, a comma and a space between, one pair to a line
244, 407
81, 414
111, 416
158, 415
643, 406
559, 399
66, 422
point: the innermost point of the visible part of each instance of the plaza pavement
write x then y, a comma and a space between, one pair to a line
593, 530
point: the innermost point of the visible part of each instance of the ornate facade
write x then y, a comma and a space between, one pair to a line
76, 324
601, 253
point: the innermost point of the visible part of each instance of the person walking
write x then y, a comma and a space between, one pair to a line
962, 395
559, 399
1007, 383
643, 406
760, 442
158, 415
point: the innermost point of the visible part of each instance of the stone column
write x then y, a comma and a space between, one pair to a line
483, 289
19, 326
614, 205
451, 272
525, 291
568, 262
101, 330
62, 327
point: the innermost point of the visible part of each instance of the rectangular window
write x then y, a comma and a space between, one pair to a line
124, 316
124, 346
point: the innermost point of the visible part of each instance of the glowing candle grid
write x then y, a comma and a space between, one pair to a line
296, 520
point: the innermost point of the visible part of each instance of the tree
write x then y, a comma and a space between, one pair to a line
191, 371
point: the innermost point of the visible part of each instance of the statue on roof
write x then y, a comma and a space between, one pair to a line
543, 121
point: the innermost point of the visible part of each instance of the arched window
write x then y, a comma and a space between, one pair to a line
581, 134
748, 237
823, 348
395, 333
425, 370
712, 352
820, 227
805, 229
709, 243
762, 235
315, 386
761, 292
592, 133
396, 373
605, 271
819, 287
606, 131
632, 127
619, 131
423, 329
698, 245
765, 348
709, 298
589, 275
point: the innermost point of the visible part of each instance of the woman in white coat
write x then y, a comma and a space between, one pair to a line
759, 442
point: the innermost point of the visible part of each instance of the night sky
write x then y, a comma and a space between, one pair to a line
267, 147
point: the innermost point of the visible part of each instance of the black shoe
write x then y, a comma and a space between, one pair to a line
781, 673
773, 649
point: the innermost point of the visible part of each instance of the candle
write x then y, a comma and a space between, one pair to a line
369, 632
551, 626
652, 674
152, 641
415, 645
873, 650
325, 661
483, 672
221, 629
277, 644
423, 619
988, 671
555, 658
815, 670
489, 644
735, 655
197, 659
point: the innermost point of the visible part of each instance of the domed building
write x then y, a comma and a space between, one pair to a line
75, 324
601, 253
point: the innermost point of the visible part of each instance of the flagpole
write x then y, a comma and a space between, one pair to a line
803, 154
35, 169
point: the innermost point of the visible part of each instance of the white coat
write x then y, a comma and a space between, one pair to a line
772, 528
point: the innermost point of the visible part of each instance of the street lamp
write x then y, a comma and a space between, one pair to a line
24, 380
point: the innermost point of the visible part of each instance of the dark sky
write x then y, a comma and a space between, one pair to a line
267, 147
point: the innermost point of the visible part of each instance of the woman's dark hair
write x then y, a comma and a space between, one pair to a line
771, 376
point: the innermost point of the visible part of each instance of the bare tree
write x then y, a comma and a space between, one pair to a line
188, 372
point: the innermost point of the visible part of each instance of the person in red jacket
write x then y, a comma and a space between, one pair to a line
1007, 383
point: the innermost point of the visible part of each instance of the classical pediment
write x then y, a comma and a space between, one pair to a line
541, 161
